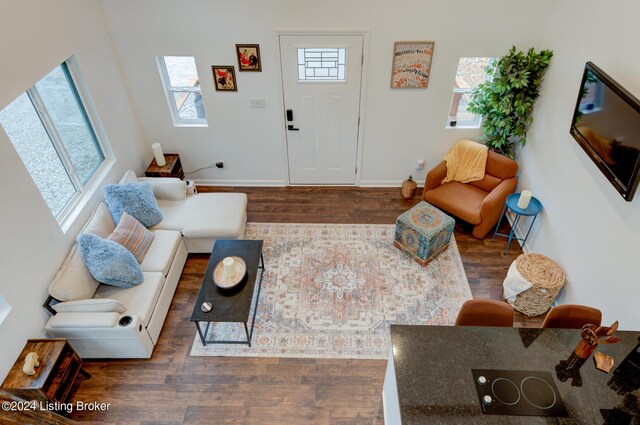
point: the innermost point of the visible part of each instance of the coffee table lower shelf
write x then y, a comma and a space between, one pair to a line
248, 330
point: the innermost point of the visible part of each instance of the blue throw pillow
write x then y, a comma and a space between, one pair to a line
109, 262
136, 199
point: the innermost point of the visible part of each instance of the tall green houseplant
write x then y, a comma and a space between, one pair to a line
505, 101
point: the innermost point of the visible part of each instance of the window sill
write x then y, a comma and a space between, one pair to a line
195, 124
448, 127
81, 201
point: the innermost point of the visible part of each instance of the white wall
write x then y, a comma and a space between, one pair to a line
37, 35
400, 125
585, 225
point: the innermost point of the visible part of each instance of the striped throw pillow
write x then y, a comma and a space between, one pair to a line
133, 236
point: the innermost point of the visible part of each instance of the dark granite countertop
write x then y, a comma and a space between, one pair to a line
435, 385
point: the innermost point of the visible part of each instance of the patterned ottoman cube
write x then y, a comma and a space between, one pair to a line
423, 232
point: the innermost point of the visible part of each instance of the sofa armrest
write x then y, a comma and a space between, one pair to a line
83, 320
493, 204
435, 176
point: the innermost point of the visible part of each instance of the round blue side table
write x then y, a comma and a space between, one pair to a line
534, 208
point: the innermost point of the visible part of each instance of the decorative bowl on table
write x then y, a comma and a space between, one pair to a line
230, 276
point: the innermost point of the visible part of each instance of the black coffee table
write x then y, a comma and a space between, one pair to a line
230, 305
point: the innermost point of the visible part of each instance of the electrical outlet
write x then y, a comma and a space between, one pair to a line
420, 164
257, 103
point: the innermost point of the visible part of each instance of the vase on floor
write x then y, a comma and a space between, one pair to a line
409, 188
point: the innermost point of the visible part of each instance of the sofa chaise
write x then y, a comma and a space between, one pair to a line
103, 321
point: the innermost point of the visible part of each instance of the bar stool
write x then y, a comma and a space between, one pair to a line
482, 312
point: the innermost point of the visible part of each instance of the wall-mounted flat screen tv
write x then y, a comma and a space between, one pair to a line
606, 123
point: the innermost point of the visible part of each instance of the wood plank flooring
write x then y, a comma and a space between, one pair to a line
173, 388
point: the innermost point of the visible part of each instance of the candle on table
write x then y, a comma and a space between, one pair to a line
228, 267
525, 198
157, 152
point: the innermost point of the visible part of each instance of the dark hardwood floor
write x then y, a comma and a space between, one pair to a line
173, 388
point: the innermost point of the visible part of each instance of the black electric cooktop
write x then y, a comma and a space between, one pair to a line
518, 392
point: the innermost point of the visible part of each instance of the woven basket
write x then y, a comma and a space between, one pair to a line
409, 188
547, 279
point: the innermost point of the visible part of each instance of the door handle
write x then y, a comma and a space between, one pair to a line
290, 127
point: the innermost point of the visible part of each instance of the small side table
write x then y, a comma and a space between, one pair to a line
173, 167
59, 367
534, 208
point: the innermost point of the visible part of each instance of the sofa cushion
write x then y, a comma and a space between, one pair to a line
109, 262
140, 300
460, 199
129, 177
136, 199
133, 236
92, 305
73, 281
162, 251
100, 223
206, 215
169, 188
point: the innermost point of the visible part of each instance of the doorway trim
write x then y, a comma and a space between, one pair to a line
362, 101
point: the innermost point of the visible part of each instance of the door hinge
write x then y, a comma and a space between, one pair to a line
358, 120
356, 170
362, 60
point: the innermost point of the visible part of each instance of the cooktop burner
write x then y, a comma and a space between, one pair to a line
518, 392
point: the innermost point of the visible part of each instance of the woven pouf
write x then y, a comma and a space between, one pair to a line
545, 277
423, 232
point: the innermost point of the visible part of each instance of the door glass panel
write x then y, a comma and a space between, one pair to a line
322, 64
31, 141
71, 122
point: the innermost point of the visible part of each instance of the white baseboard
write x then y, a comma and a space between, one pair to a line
382, 183
263, 183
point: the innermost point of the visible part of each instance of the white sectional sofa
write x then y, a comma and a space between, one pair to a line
100, 329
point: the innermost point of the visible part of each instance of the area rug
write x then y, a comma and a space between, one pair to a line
332, 290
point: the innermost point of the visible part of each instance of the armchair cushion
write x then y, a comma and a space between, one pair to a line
109, 262
460, 199
136, 199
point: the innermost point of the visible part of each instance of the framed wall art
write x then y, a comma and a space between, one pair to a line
411, 64
249, 57
224, 78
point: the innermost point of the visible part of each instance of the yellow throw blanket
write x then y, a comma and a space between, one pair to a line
466, 162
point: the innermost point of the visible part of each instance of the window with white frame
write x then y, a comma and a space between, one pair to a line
52, 132
182, 89
5, 308
470, 74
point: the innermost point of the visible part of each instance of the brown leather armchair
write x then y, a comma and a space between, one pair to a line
479, 203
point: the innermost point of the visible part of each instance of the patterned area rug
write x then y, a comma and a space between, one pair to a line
331, 291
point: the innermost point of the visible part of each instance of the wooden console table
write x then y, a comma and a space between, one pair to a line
59, 367
173, 167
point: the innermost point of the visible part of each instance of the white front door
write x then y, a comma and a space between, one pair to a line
321, 82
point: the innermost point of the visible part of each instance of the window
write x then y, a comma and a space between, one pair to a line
50, 129
5, 308
471, 73
182, 88
322, 64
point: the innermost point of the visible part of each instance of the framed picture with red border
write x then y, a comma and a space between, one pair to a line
224, 78
249, 57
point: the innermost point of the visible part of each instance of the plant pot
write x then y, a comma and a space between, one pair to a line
409, 188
